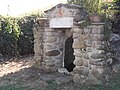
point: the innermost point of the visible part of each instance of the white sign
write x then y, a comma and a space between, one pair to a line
64, 22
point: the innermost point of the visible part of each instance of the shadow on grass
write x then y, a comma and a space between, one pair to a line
25, 79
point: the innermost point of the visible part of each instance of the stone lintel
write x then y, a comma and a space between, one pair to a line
64, 22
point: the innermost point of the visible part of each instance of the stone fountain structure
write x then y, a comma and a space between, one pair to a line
62, 22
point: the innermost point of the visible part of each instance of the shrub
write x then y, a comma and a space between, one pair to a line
116, 20
16, 35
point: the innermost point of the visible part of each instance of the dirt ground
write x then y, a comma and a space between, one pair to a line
21, 73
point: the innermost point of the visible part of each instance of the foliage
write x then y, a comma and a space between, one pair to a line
16, 35
92, 6
9, 25
106, 10
107, 14
25, 42
10, 32
116, 19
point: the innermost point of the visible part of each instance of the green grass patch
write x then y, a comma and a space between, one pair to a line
51, 85
14, 87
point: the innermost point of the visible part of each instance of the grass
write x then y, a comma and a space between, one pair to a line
114, 84
12, 87
51, 85
15, 87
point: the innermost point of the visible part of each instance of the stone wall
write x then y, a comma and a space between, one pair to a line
38, 46
54, 42
89, 54
115, 47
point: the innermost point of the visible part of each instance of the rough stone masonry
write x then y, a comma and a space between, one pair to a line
63, 21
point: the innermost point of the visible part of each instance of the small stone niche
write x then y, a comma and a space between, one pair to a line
62, 43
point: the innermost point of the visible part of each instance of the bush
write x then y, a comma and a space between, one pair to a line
16, 35
26, 40
116, 20
9, 35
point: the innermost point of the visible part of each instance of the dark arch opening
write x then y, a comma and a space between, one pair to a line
69, 57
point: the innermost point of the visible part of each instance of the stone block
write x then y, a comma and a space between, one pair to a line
35, 31
78, 70
50, 39
52, 53
86, 56
96, 37
37, 42
63, 71
37, 57
78, 79
88, 43
75, 35
50, 63
68, 33
88, 49
77, 53
36, 36
98, 62
100, 47
83, 37
58, 63
78, 44
85, 64
50, 34
91, 80
97, 30
78, 61
109, 61
97, 72
87, 30
81, 70
37, 50
49, 46
47, 69
98, 44
49, 30
85, 71
77, 30
37, 61
61, 22
98, 55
